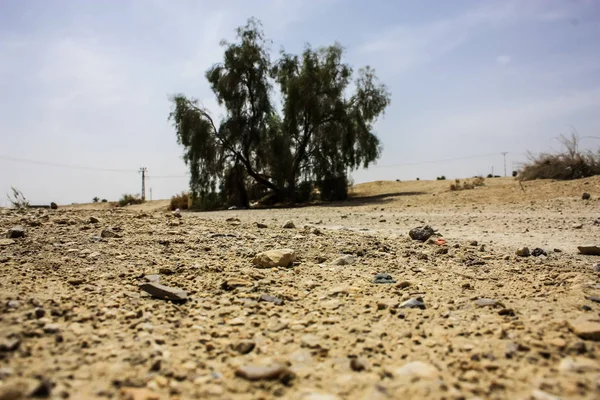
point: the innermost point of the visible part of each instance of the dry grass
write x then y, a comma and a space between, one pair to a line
468, 184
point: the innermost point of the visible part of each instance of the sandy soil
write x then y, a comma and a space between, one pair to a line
75, 323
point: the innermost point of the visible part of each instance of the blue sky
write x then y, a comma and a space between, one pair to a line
87, 82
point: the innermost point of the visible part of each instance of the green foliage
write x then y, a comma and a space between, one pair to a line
569, 164
515, 174
180, 201
17, 199
96, 199
104, 200
324, 130
129, 199
441, 178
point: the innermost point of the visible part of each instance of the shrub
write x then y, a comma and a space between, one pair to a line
490, 176
180, 201
418, 179
441, 178
569, 164
129, 199
334, 188
468, 184
17, 199
96, 199
515, 174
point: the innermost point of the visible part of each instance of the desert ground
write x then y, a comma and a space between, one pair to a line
460, 318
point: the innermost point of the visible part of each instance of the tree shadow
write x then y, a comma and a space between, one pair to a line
354, 201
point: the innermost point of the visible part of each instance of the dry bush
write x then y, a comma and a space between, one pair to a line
129, 199
179, 201
566, 165
17, 199
468, 184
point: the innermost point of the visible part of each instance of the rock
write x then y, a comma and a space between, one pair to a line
578, 365
39, 313
51, 328
589, 250
538, 252
275, 258
108, 234
288, 225
260, 225
586, 327
596, 267
93, 220
421, 233
585, 196
14, 304
177, 213
416, 302
345, 260
577, 226
15, 232
17, 389
165, 271
488, 303
233, 283
134, 393
541, 395
416, 369
270, 372
523, 252
271, 299
53, 206
358, 364
244, 346
403, 284
383, 278
5, 372
152, 278
43, 389
76, 281
164, 292
10, 344
6, 242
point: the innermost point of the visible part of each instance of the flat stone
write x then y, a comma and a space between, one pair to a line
244, 346
383, 278
259, 372
164, 292
589, 250
13, 304
275, 258
586, 327
108, 234
51, 328
413, 303
578, 365
152, 278
416, 369
93, 220
345, 260
6, 242
260, 225
541, 395
132, 393
488, 303
271, 299
15, 232
233, 283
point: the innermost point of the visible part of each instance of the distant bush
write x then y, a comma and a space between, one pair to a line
515, 174
418, 179
441, 178
468, 184
180, 201
96, 199
104, 200
129, 199
569, 164
490, 176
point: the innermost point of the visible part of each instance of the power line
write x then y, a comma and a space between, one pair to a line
53, 164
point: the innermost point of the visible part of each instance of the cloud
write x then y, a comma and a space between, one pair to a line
504, 59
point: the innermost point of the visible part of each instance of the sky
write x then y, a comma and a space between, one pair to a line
86, 84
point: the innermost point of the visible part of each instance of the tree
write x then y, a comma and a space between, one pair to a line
96, 199
320, 135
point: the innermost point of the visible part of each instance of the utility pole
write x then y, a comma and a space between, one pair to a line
143, 170
504, 153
